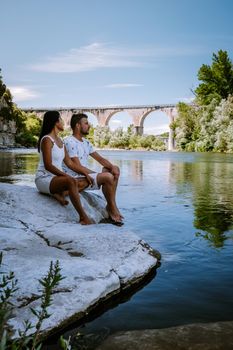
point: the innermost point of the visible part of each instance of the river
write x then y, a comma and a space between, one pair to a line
182, 205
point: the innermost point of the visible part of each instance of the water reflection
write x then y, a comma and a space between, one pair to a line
203, 180
6, 164
132, 168
13, 165
212, 196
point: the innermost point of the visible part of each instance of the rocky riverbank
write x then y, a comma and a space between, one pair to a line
97, 261
200, 336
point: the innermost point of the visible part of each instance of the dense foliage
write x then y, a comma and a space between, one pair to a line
104, 137
28, 125
207, 124
6, 104
217, 79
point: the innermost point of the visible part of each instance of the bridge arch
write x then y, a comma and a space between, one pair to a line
92, 118
109, 117
157, 121
122, 118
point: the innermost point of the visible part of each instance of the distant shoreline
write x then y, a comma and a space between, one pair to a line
34, 150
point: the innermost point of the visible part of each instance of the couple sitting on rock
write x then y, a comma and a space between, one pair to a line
63, 168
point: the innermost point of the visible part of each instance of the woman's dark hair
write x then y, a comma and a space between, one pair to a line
49, 120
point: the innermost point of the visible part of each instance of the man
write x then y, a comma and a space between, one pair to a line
79, 150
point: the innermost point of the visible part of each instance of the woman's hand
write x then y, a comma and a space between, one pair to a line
90, 180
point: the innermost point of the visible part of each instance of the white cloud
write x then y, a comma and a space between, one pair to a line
116, 121
21, 93
184, 99
122, 85
88, 58
156, 130
102, 55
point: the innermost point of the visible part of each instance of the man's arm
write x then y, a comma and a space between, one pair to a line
82, 169
75, 165
113, 169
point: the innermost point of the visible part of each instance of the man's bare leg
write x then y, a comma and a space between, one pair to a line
114, 186
106, 179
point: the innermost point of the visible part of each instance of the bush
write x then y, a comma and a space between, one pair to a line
26, 340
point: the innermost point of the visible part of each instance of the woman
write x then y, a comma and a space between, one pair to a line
50, 179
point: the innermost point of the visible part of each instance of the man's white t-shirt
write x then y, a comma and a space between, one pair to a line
75, 148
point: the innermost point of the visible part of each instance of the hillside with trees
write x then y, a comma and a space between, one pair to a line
27, 124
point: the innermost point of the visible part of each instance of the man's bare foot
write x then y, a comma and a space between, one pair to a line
60, 198
115, 215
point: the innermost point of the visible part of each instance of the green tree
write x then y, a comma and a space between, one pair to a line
217, 79
28, 126
6, 104
101, 136
186, 127
90, 136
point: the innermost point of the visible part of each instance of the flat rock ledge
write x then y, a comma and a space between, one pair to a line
97, 261
199, 336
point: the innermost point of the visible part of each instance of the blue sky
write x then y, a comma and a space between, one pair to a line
76, 53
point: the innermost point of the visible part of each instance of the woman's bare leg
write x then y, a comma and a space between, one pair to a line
64, 183
82, 183
60, 197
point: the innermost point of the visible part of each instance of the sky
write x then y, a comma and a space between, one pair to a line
98, 53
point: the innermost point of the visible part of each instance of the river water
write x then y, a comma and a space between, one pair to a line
182, 205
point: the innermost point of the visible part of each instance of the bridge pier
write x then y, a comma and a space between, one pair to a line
103, 117
66, 116
171, 141
171, 112
138, 130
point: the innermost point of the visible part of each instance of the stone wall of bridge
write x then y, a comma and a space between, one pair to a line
104, 115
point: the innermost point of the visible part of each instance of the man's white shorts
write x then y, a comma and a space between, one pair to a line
95, 185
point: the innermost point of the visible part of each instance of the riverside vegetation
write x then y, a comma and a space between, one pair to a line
207, 124
203, 126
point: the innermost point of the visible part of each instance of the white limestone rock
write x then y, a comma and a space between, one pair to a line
96, 260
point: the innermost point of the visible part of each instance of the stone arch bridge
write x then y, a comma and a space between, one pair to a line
104, 114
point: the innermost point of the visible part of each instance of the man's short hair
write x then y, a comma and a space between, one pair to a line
76, 118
